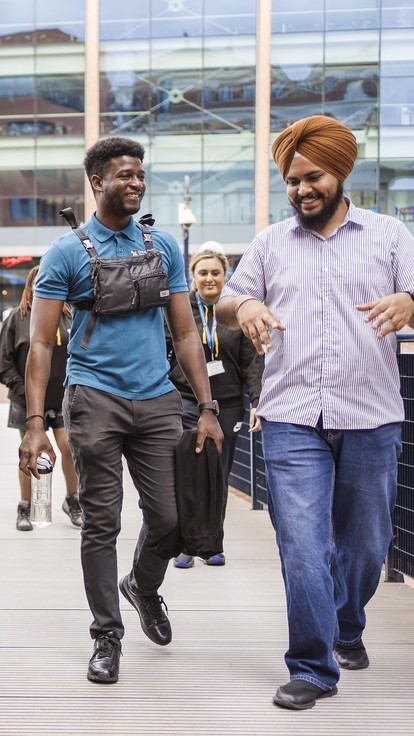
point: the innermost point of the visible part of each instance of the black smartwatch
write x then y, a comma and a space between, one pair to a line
211, 405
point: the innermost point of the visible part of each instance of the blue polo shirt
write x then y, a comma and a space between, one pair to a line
126, 355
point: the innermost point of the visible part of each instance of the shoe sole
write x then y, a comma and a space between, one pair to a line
102, 681
123, 587
184, 565
347, 665
350, 665
24, 528
214, 564
284, 703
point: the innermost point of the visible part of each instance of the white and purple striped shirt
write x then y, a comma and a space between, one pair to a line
329, 360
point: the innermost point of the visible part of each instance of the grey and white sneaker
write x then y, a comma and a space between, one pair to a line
23, 523
72, 508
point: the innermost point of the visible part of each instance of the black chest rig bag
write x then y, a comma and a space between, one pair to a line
122, 285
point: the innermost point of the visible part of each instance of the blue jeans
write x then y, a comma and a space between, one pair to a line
331, 495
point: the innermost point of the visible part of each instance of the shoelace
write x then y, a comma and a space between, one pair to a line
154, 606
73, 503
23, 512
106, 645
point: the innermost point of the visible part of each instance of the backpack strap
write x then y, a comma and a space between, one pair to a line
84, 304
146, 234
89, 328
70, 218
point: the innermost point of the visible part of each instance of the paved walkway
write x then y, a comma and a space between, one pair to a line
229, 635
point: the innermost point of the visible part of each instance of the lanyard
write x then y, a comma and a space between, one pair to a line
209, 336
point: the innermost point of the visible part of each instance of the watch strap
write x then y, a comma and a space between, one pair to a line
211, 405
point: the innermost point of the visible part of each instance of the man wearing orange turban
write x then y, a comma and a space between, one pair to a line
333, 283
319, 153
321, 139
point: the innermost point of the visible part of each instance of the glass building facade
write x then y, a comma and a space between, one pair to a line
181, 76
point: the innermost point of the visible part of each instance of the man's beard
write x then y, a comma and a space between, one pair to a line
319, 220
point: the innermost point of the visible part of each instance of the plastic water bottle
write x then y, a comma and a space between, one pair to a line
41, 505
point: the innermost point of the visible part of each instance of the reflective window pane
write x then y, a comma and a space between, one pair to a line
296, 91
124, 30
222, 23
397, 14
121, 9
352, 14
397, 106
42, 105
20, 17
397, 68
118, 22
28, 23
48, 12
29, 198
297, 16
177, 102
351, 94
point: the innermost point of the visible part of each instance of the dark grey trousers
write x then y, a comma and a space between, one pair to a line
101, 429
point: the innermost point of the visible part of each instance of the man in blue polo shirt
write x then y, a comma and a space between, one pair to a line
118, 401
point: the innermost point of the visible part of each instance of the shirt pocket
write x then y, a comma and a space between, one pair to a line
362, 281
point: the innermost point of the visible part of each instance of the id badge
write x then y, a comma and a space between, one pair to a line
214, 367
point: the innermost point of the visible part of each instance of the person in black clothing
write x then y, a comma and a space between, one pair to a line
232, 363
14, 347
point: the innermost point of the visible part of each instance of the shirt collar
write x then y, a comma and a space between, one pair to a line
102, 233
205, 304
354, 214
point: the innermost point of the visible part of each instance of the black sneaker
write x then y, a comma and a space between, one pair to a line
104, 663
301, 695
352, 658
154, 622
72, 508
23, 523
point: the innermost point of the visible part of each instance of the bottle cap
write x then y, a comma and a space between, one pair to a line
44, 463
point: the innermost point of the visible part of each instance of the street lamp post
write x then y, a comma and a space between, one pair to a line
186, 218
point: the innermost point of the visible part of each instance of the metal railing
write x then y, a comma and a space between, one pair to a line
400, 559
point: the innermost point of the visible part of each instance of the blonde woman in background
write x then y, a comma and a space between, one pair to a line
232, 364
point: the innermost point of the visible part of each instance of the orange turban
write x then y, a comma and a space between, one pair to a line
323, 140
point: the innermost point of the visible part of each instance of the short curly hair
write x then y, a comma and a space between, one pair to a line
101, 153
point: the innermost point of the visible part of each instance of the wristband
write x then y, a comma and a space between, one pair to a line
32, 416
211, 406
246, 299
